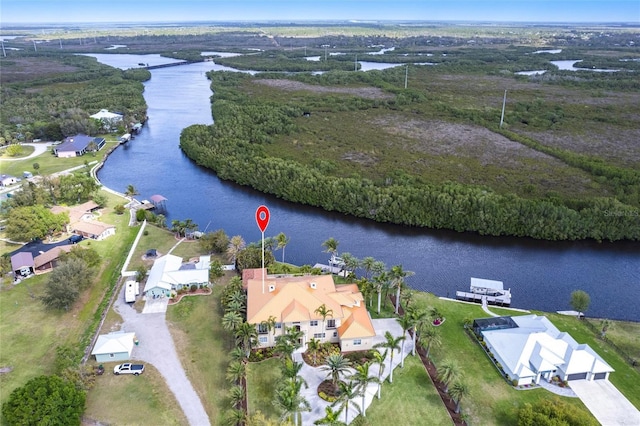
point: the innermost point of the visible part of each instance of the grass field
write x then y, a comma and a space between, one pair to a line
130, 400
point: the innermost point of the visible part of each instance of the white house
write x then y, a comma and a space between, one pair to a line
6, 180
110, 120
530, 347
168, 274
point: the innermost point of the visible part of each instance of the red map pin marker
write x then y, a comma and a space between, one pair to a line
262, 217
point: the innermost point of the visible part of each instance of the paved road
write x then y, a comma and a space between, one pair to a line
156, 347
39, 148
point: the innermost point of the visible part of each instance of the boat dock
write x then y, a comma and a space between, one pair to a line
502, 300
486, 291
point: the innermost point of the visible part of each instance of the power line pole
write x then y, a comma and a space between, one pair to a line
504, 102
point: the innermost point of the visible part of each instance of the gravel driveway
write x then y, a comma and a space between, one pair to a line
156, 347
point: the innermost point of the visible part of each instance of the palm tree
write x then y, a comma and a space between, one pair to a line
362, 379
448, 372
367, 264
418, 318
313, 346
270, 323
406, 323
236, 371
380, 281
161, 221
331, 246
131, 191
324, 313
231, 321
236, 306
350, 262
290, 370
236, 395
346, 397
458, 391
247, 337
397, 280
282, 240
289, 401
331, 418
336, 365
407, 297
288, 342
430, 336
237, 354
234, 417
236, 245
393, 344
378, 358
435, 314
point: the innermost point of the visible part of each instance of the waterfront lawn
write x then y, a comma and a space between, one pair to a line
157, 238
626, 335
203, 347
492, 401
49, 163
145, 399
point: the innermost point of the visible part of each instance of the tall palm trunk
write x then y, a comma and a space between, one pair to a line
397, 298
379, 299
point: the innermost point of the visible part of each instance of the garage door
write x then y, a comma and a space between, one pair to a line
600, 376
577, 376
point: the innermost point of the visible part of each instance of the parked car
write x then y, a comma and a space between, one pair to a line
128, 368
74, 239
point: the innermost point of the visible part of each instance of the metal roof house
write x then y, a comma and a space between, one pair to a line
530, 348
115, 346
77, 146
168, 274
110, 120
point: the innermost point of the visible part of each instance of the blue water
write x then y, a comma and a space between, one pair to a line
541, 274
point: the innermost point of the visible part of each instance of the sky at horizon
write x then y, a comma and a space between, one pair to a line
93, 11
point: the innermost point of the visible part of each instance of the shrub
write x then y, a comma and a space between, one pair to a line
193, 288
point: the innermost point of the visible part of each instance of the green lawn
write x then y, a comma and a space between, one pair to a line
262, 379
492, 401
49, 163
130, 400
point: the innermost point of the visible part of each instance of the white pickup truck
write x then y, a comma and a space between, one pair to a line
135, 369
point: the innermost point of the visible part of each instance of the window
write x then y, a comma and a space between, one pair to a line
263, 339
263, 329
318, 335
331, 323
357, 342
313, 323
335, 334
112, 356
278, 325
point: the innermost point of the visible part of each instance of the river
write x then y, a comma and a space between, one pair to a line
541, 274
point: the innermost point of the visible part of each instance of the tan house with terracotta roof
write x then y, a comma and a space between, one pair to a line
292, 301
82, 222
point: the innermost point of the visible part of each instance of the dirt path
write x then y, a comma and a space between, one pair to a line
156, 347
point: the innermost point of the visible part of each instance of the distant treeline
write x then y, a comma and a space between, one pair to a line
233, 148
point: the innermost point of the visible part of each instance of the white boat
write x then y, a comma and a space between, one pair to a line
492, 292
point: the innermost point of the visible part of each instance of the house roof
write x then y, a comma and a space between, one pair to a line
291, 299
92, 227
76, 212
167, 272
51, 255
22, 259
112, 343
483, 283
536, 345
104, 114
77, 143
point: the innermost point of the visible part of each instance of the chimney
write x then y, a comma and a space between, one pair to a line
272, 287
313, 285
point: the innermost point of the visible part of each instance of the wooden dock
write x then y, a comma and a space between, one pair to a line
502, 300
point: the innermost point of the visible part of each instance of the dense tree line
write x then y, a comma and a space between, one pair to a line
55, 106
232, 148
